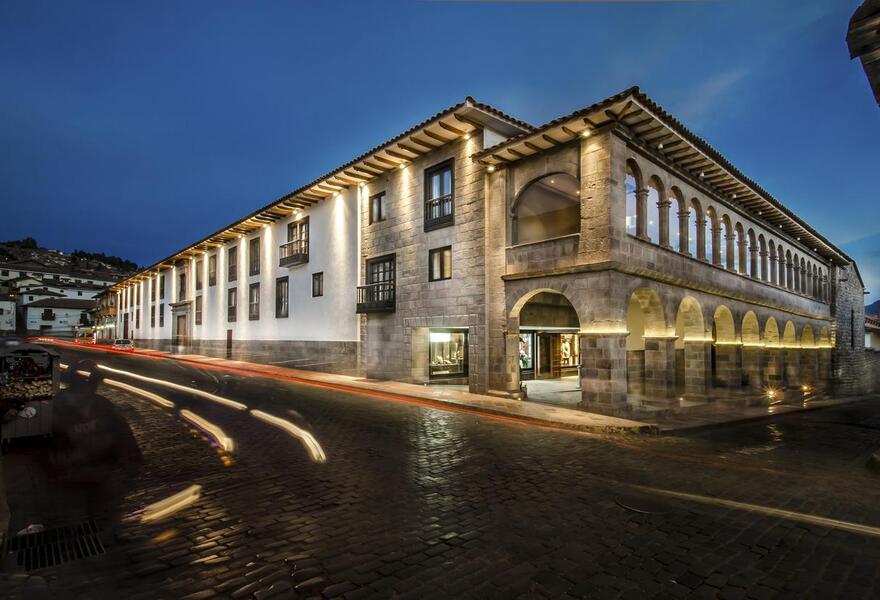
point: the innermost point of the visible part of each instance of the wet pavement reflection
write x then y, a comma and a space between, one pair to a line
292, 490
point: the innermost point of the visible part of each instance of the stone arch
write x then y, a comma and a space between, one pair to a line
789, 335
789, 274
762, 258
547, 207
751, 262
689, 323
724, 327
644, 317
634, 197
751, 330
725, 245
740, 249
773, 267
679, 218
808, 339
771, 332
710, 234
517, 307
655, 212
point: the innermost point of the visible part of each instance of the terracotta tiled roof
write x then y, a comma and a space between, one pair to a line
62, 303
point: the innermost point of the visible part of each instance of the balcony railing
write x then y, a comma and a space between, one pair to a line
294, 253
439, 212
376, 297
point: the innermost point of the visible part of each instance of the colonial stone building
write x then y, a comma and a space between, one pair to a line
610, 251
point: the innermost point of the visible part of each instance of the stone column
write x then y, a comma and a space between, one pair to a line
773, 366
684, 234
731, 259
715, 259
797, 278
511, 364
603, 372
792, 372
774, 274
752, 367
696, 368
823, 369
701, 241
642, 214
659, 368
743, 254
762, 257
809, 366
663, 206
727, 365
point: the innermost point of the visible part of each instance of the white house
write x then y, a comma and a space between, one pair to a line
56, 316
7, 315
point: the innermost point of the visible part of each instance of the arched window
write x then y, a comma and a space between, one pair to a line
796, 271
804, 276
655, 192
547, 208
739, 251
762, 259
677, 208
725, 257
633, 184
708, 234
789, 271
693, 228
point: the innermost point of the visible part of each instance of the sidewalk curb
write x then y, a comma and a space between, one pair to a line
757, 418
301, 377
645, 428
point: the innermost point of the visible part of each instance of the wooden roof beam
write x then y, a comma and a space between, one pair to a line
409, 148
436, 136
427, 145
450, 128
533, 147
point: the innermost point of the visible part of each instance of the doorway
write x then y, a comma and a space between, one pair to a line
180, 336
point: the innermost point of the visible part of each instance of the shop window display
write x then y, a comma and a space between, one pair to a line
448, 354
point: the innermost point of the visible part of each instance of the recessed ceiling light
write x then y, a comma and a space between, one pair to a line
586, 132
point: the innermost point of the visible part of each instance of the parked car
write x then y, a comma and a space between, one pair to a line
124, 345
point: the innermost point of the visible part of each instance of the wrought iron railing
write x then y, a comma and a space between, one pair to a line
376, 297
295, 252
439, 212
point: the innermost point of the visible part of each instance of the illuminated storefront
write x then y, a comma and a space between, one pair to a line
447, 354
548, 354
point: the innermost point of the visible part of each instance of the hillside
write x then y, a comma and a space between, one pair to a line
78, 261
873, 309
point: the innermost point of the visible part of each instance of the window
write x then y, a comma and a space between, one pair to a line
47, 315
152, 291
79, 293
317, 284
212, 270
200, 264
161, 286
653, 212
153, 316
161, 315
181, 286
198, 310
632, 201
232, 259
5, 273
377, 208
440, 264
137, 319
447, 353
254, 301
231, 304
439, 200
282, 297
254, 257
380, 272
547, 208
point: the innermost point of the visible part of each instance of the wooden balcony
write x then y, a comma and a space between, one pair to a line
294, 253
376, 297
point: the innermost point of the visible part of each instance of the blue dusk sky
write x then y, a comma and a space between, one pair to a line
137, 128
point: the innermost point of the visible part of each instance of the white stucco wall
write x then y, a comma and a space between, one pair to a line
333, 250
7, 315
65, 319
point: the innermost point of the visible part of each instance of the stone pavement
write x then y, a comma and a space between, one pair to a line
414, 502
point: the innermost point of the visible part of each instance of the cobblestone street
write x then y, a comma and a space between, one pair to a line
367, 498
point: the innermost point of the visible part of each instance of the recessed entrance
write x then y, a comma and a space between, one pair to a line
549, 349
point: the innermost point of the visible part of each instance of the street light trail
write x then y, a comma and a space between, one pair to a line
172, 504
766, 510
178, 387
308, 440
210, 429
135, 390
